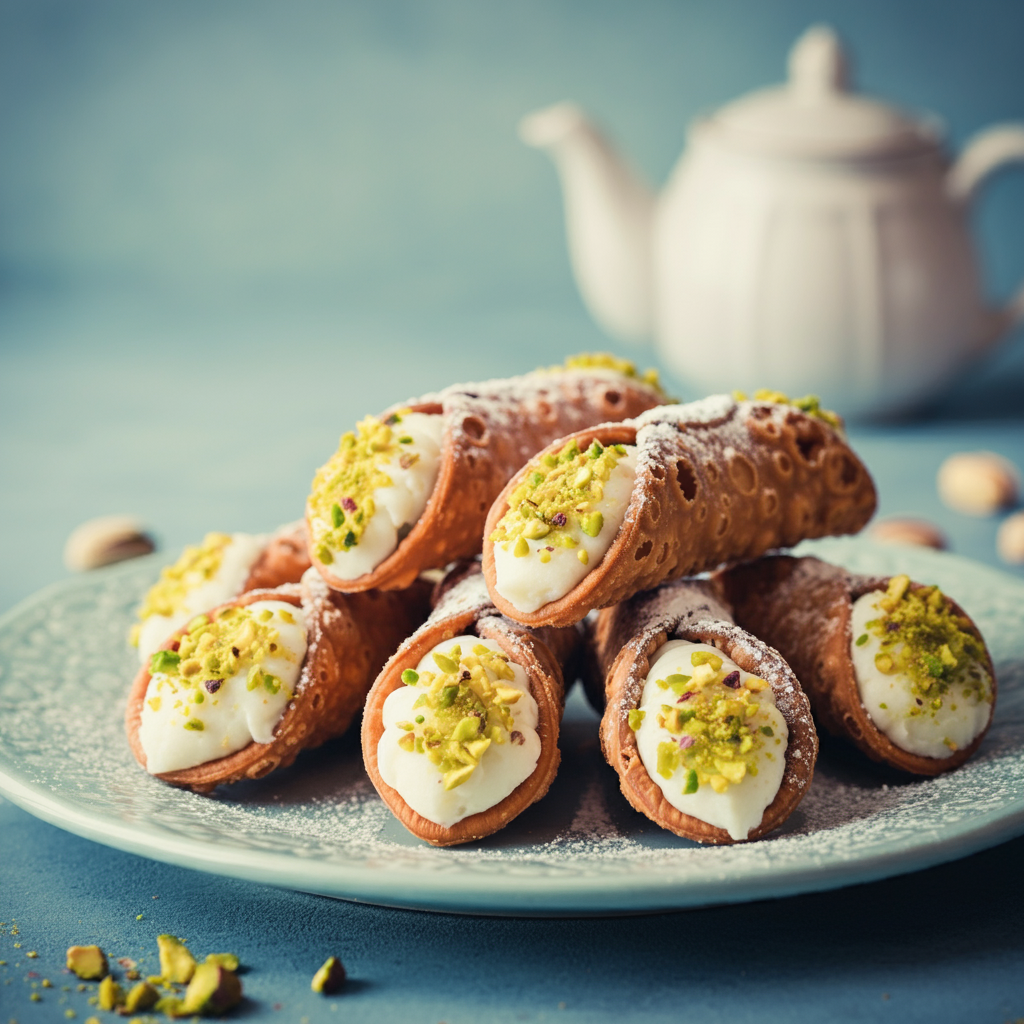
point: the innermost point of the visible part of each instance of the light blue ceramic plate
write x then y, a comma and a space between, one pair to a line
320, 827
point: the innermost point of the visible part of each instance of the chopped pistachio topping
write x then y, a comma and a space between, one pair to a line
922, 637
341, 503
195, 566
809, 404
715, 741
558, 495
606, 361
212, 650
466, 707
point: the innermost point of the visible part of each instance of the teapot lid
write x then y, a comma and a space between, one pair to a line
815, 115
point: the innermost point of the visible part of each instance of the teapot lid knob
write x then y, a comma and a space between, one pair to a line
818, 66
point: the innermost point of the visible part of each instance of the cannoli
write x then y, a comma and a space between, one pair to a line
409, 490
206, 575
241, 689
707, 726
894, 666
460, 731
620, 508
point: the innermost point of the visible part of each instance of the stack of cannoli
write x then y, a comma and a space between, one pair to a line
563, 518
256, 647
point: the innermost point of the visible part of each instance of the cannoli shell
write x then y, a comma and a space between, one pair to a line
349, 638
465, 608
490, 430
803, 607
626, 639
283, 560
717, 481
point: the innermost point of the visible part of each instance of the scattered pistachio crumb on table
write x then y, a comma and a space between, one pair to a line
330, 978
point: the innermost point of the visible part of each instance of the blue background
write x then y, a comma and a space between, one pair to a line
228, 230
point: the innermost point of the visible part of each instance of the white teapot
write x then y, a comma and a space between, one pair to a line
809, 239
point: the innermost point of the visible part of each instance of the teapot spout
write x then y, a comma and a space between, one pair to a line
609, 214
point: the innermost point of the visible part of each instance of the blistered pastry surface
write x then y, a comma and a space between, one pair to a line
717, 481
491, 429
64, 670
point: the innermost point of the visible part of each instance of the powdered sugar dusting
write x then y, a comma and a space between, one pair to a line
706, 412
64, 674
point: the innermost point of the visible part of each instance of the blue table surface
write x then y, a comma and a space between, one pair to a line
198, 421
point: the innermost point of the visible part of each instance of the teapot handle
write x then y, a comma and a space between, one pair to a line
985, 154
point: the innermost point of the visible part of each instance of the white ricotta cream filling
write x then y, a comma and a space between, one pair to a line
912, 724
233, 716
236, 563
741, 806
402, 503
502, 767
528, 583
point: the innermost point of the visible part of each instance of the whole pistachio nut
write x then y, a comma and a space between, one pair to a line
1010, 539
909, 531
978, 483
106, 540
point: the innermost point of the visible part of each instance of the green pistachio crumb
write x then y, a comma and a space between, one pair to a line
164, 661
706, 658
410, 677
862, 639
691, 784
337, 516
194, 725
445, 664
636, 717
